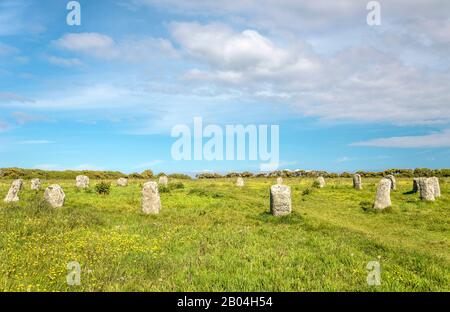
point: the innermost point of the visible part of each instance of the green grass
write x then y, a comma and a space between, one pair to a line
214, 236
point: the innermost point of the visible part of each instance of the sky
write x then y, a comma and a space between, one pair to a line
105, 95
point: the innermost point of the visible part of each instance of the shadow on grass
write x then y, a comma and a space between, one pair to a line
367, 207
267, 217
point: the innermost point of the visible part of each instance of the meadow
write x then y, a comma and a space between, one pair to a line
214, 236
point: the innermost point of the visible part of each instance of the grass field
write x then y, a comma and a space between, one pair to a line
214, 236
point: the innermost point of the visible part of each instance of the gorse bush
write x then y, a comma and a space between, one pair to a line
316, 184
103, 188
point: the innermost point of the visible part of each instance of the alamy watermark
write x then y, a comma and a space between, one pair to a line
74, 16
374, 16
374, 273
231, 142
73, 278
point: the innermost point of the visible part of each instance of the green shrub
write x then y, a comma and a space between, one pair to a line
176, 185
316, 184
180, 176
163, 188
103, 188
147, 174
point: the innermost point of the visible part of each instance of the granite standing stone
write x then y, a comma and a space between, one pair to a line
122, 182
35, 184
151, 202
13, 193
321, 182
436, 187
163, 180
426, 188
280, 200
82, 181
393, 181
383, 196
357, 182
55, 196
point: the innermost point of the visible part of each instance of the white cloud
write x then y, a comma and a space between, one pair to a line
24, 118
343, 159
3, 126
101, 46
34, 142
149, 164
68, 62
359, 84
237, 57
433, 140
301, 16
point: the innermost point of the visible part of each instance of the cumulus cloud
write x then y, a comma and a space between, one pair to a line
105, 47
361, 83
433, 140
241, 57
67, 62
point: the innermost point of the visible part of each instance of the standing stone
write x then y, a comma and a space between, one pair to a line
82, 181
55, 196
13, 193
280, 200
122, 182
426, 189
321, 182
416, 185
383, 196
35, 184
357, 182
436, 187
151, 202
240, 182
163, 180
280, 181
393, 182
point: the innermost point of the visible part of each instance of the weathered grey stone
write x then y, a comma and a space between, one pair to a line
436, 187
393, 181
122, 182
416, 185
151, 202
320, 182
55, 196
280, 200
82, 181
35, 184
383, 196
13, 193
240, 181
426, 189
280, 181
357, 182
163, 180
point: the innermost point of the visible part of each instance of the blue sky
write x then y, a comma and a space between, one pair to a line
106, 94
